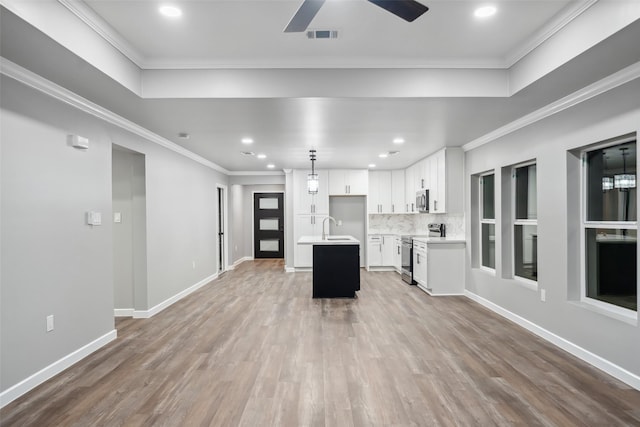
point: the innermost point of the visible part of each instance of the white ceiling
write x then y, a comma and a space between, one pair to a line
346, 131
246, 33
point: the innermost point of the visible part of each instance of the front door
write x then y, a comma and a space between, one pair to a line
268, 225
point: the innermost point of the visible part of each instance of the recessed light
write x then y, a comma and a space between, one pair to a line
372, 165
398, 140
485, 11
170, 11
271, 166
261, 156
247, 141
383, 155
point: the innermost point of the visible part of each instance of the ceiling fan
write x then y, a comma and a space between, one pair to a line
409, 10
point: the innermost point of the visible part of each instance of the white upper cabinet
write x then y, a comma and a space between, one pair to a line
398, 204
441, 174
306, 203
422, 177
410, 189
348, 182
379, 198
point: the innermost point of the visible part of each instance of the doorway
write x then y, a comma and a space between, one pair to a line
129, 231
268, 225
222, 228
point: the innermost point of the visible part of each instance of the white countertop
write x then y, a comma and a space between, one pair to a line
331, 240
439, 240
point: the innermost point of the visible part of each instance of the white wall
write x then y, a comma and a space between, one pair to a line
52, 262
611, 114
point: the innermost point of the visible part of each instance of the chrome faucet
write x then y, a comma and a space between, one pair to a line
324, 235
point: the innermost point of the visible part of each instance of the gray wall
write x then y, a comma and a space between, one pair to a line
352, 211
51, 261
611, 114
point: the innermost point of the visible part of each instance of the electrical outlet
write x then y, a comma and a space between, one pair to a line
50, 323
194, 264
543, 295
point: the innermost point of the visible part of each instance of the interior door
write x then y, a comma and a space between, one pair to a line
268, 225
221, 220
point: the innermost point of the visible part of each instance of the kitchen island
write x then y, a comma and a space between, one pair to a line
336, 265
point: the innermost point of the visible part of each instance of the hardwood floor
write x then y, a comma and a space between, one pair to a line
254, 349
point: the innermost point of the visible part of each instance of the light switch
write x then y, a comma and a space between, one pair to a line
94, 218
117, 217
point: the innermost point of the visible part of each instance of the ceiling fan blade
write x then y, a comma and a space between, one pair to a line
409, 10
303, 16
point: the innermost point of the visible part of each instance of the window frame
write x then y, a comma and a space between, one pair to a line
515, 222
586, 224
487, 220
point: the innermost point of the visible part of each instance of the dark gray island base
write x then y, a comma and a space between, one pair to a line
336, 271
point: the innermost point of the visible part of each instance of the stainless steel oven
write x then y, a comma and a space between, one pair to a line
407, 260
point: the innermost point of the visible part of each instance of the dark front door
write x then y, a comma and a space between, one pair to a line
268, 225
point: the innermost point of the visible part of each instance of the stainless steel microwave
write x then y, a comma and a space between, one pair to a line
422, 201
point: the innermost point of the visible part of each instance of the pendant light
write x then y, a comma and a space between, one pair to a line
312, 179
624, 181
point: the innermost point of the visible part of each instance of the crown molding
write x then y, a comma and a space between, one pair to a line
623, 76
547, 31
104, 30
255, 173
26, 77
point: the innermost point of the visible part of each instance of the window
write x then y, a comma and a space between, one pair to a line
610, 227
487, 221
525, 222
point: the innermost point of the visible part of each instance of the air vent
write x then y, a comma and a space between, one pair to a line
322, 34
248, 153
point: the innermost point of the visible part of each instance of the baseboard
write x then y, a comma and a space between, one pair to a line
28, 384
145, 314
289, 269
123, 312
240, 261
610, 368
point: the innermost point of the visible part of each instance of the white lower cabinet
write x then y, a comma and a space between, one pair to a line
438, 267
305, 225
420, 263
381, 250
397, 253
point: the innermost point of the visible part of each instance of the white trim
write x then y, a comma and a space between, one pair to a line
593, 359
225, 192
47, 87
289, 269
145, 314
104, 30
240, 261
547, 31
430, 292
255, 173
111, 36
28, 384
123, 312
604, 85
